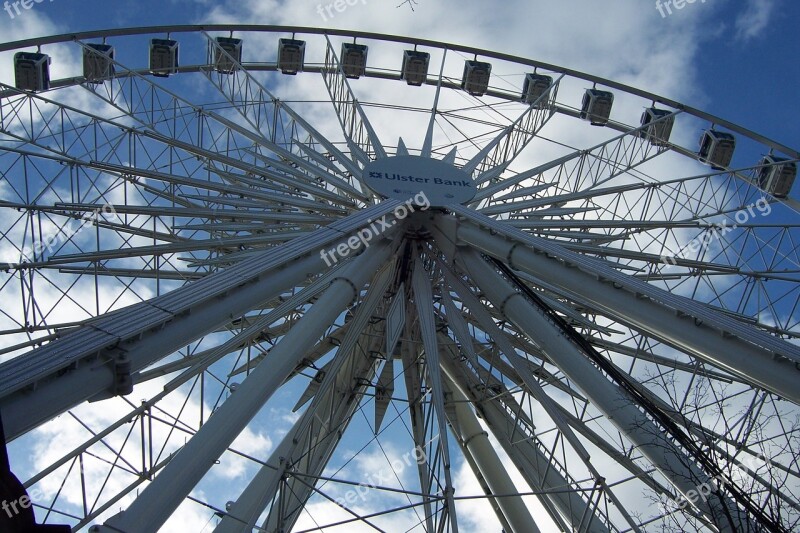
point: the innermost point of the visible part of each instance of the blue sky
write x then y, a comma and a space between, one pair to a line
733, 58
740, 54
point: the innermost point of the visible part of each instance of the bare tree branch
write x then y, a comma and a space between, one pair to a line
411, 3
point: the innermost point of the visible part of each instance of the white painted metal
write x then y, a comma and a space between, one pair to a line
423, 299
223, 204
160, 499
567, 508
185, 314
612, 401
677, 321
477, 441
309, 443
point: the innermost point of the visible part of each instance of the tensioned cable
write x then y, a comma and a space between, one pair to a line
653, 410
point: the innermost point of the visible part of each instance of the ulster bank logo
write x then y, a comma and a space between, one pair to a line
398, 177
415, 179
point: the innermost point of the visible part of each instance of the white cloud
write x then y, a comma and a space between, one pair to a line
624, 40
620, 39
53, 440
253, 444
754, 19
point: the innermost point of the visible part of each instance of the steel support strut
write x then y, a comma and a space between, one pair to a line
552, 483
521, 366
476, 441
606, 396
423, 303
305, 450
751, 354
160, 499
150, 330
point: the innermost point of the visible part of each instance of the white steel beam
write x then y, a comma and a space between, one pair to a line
559, 495
523, 370
145, 332
423, 300
501, 151
160, 499
605, 395
352, 119
475, 439
308, 446
723, 341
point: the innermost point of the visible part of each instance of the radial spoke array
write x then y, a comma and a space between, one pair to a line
210, 312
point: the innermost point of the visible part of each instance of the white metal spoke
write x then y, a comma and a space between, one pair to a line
591, 333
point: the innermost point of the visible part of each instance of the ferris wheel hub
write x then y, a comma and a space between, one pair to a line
406, 176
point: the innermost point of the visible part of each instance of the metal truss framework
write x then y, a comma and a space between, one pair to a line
553, 337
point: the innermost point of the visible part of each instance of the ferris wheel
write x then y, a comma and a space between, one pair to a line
296, 279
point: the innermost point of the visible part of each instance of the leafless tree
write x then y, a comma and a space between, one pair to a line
411, 3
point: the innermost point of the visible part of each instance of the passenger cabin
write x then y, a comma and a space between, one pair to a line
776, 175
32, 71
535, 87
98, 62
476, 77
163, 57
596, 107
354, 60
291, 56
716, 149
227, 54
658, 124
415, 67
